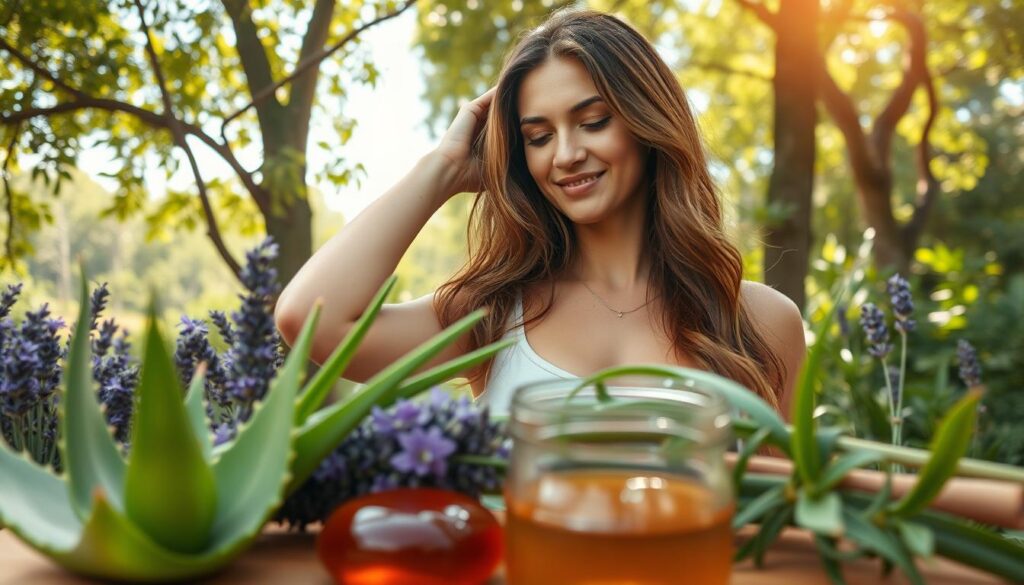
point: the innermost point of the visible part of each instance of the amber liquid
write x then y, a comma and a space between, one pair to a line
586, 527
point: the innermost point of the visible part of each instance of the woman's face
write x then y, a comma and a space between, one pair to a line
583, 158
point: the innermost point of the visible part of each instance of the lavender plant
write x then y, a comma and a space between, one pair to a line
876, 331
32, 356
437, 442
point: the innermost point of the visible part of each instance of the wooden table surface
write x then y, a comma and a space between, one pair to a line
291, 558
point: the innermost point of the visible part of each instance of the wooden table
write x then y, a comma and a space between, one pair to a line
291, 558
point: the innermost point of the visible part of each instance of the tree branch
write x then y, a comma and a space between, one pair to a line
213, 231
303, 90
843, 112
9, 240
252, 54
927, 185
86, 101
313, 60
761, 12
914, 73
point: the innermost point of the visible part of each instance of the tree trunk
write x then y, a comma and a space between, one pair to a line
293, 232
787, 244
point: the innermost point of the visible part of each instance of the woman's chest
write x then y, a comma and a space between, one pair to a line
581, 338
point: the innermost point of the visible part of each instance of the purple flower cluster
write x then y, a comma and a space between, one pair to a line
29, 375
970, 369
902, 303
255, 353
411, 444
872, 320
112, 367
239, 377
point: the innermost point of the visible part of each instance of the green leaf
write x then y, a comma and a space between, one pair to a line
738, 396
804, 443
318, 388
770, 530
822, 515
196, 411
169, 486
90, 455
253, 472
830, 564
112, 548
873, 538
759, 506
975, 545
323, 432
919, 538
750, 446
843, 465
949, 444
450, 369
35, 504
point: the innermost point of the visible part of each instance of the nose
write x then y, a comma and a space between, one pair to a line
568, 152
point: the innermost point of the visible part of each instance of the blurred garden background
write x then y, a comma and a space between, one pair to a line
154, 142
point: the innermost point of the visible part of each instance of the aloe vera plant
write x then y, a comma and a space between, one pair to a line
177, 507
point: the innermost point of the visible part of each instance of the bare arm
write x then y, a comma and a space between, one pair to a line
349, 269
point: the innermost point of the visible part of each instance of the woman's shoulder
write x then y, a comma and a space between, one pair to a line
779, 321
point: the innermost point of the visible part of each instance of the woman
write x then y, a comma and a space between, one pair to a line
596, 236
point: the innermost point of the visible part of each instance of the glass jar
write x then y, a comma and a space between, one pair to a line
623, 481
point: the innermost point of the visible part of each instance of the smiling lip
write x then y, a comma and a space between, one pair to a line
581, 184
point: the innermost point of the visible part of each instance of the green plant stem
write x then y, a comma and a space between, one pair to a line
908, 456
898, 416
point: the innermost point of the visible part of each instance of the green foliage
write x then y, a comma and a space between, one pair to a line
178, 510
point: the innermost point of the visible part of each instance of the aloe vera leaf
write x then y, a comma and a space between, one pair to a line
253, 472
759, 506
322, 433
949, 444
196, 411
90, 455
35, 504
918, 537
172, 498
314, 393
112, 547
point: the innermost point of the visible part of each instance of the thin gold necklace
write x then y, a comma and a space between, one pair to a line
613, 309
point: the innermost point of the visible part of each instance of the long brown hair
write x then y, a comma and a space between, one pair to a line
517, 238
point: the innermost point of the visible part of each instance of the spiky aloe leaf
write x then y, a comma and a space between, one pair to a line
323, 431
313, 395
112, 547
89, 453
253, 472
172, 498
35, 504
196, 412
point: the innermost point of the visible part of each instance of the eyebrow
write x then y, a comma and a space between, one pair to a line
541, 119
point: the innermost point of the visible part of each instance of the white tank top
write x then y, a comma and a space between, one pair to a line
515, 366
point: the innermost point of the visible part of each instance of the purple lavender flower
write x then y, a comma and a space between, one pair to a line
373, 457
255, 355
423, 453
403, 416
970, 369
873, 322
227, 333
902, 303
8, 298
98, 302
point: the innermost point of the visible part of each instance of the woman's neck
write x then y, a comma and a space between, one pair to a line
611, 254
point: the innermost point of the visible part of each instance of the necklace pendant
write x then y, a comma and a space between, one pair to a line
620, 314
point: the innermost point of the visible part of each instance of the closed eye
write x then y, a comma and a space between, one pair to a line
544, 138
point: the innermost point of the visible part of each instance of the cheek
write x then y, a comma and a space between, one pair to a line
535, 163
